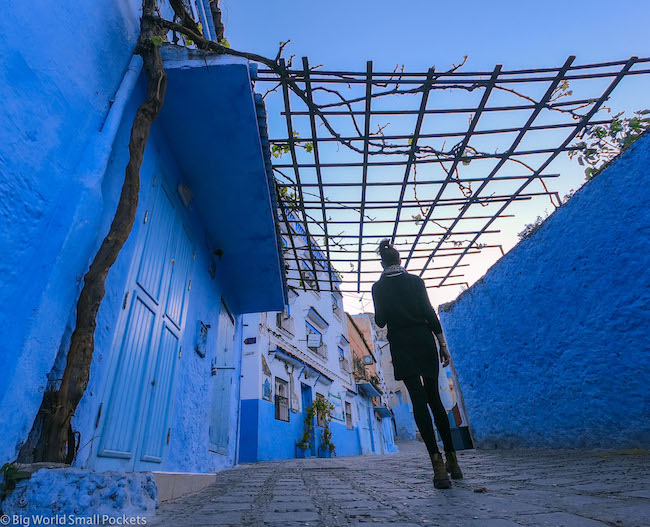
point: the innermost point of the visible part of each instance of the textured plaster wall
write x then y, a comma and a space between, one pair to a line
188, 450
55, 98
71, 492
552, 346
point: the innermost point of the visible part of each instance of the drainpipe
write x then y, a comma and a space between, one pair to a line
96, 155
122, 96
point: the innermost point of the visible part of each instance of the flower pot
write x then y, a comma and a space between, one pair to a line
303, 453
324, 452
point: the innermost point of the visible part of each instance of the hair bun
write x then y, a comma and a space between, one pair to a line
384, 244
389, 255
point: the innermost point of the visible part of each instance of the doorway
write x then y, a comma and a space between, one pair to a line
307, 399
223, 372
138, 402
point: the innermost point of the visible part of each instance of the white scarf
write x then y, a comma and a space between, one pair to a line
393, 270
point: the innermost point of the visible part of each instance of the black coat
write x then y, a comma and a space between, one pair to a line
402, 302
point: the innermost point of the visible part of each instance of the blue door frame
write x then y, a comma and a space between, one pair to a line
307, 399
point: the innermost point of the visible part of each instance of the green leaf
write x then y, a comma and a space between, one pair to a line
156, 40
615, 127
224, 42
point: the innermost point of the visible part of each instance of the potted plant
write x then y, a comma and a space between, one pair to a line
326, 447
303, 447
324, 409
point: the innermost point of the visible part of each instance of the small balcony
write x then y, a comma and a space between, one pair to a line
321, 350
344, 364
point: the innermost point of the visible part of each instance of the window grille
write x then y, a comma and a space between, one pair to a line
307, 275
343, 361
281, 400
336, 308
348, 415
285, 322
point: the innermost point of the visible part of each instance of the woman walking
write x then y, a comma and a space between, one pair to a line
401, 301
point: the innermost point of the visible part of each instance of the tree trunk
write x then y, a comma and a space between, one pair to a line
52, 428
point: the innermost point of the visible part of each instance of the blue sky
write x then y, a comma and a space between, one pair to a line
420, 34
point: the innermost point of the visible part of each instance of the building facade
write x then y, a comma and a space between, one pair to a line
294, 356
378, 435
164, 380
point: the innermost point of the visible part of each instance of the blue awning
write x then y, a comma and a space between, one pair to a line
368, 389
215, 131
383, 411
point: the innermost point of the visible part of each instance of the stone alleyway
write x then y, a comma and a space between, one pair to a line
567, 488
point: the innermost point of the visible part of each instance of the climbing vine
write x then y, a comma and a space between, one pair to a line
322, 408
51, 437
600, 144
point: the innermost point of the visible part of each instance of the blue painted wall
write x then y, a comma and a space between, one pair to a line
552, 346
345, 440
55, 100
404, 421
60, 179
188, 449
265, 438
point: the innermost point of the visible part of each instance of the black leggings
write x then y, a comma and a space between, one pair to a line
421, 394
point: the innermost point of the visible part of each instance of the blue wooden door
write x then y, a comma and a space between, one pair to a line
223, 411
365, 426
135, 428
157, 430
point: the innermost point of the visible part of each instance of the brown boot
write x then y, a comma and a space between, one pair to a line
452, 465
440, 478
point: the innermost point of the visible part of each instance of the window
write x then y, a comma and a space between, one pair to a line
307, 275
316, 345
320, 418
343, 361
348, 415
285, 322
336, 306
399, 396
281, 400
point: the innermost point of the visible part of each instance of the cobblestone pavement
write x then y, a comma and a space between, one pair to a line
571, 488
